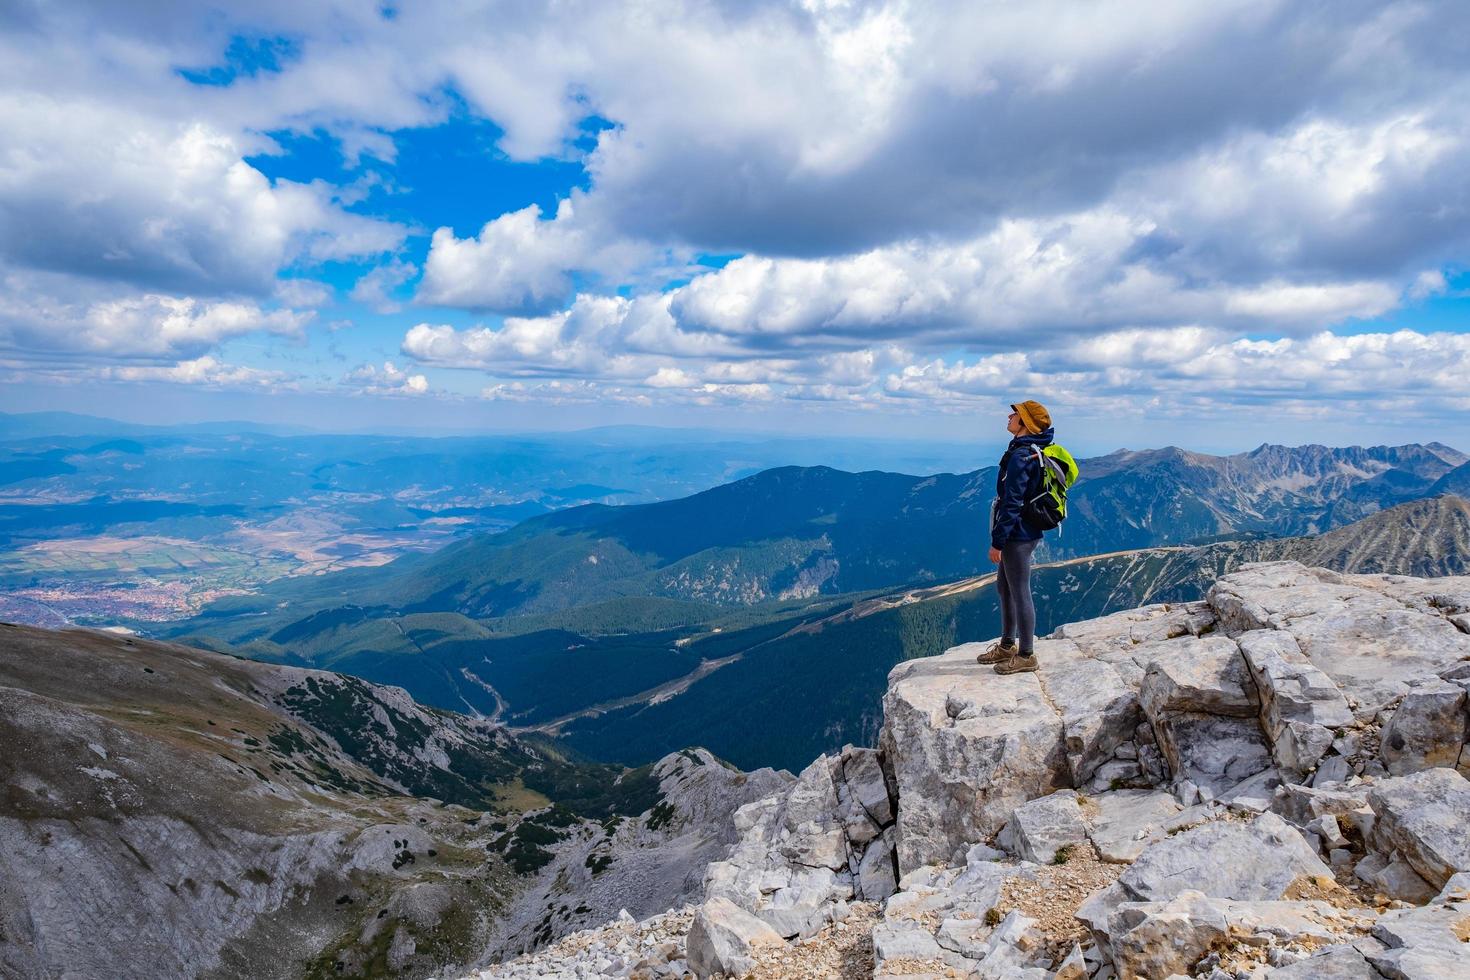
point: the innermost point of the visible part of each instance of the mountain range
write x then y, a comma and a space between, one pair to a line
798, 532
630, 629
171, 809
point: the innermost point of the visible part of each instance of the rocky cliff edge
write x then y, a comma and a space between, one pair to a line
1267, 783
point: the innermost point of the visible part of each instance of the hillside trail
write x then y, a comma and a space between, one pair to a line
857, 610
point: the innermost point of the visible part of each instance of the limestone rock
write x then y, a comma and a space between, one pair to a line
1214, 753
1099, 711
1457, 889
1395, 878
1121, 632
1197, 675
1127, 820
904, 940
1254, 861
1291, 687
1303, 804
1427, 728
791, 861
1424, 943
965, 746
876, 870
1423, 818
863, 779
1038, 829
1300, 704
1073, 966
1156, 939
1014, 946
722, 937
1332, 963
1354, 628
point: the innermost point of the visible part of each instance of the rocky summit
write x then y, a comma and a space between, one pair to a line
1268, 783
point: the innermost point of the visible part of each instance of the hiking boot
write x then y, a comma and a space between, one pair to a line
999, 651
1020, 663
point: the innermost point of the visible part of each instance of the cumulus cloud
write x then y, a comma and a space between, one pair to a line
147, 325
522, 262
375, 287
926, 198
386, 380
1422, 373
518, 263
92, 190
204, 371
602, 336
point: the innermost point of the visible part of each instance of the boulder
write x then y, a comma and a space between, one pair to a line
1424, 943
1099, 711
1300, 704
1014, 946
1423, 818
1206, 675
904, 940
1341, 962
1157, 939
862, 775
965, 747
1457, 889
1303, 804
1248, 861
723, 938
1370, 643
1427, 728
811, 830
1396, 878
1291, 687
1073, 966
1040, 828
1125, 821
876, 871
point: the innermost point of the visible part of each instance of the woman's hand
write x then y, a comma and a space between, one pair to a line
995, 556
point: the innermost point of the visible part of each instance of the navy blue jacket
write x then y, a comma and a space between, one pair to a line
1019, 480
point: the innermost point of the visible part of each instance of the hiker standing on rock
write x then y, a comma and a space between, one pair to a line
1013, 537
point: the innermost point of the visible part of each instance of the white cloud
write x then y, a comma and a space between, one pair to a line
149, 325
932, 199
204, 371
374, 287
91, 190
517, 263
303, 293
386, 380
601, 336
522, 263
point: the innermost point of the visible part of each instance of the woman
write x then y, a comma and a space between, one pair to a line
1012, 540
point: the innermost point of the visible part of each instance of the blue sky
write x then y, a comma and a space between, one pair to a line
1211, 225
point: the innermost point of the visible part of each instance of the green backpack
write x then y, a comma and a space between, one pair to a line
1048, 508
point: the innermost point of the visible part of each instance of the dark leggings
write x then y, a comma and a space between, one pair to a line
1013, 583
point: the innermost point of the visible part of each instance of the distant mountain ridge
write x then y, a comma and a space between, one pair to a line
799, 532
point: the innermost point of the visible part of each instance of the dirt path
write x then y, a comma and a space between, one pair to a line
479, 681
653, 695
